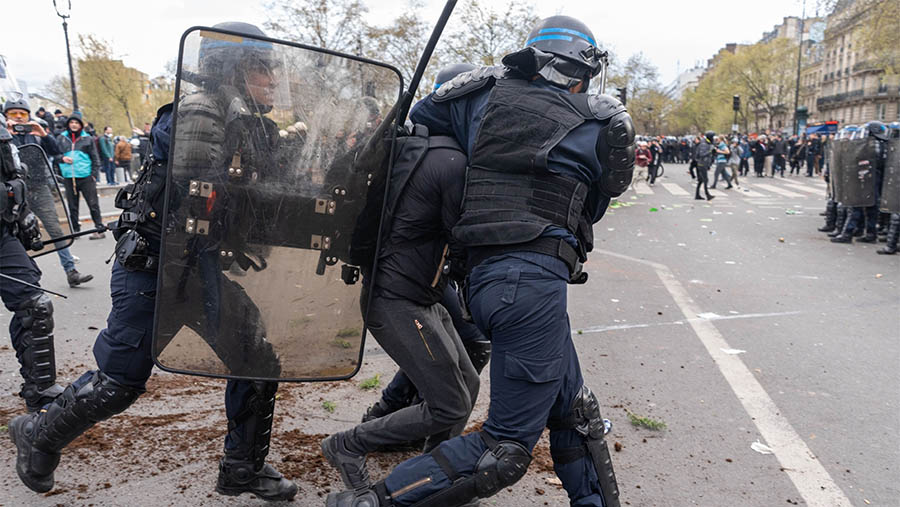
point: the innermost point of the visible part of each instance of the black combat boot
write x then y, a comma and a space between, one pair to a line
41, 436
243, 469
840, 221
830, 217
870, 237
36, 352
892, 235
75, 278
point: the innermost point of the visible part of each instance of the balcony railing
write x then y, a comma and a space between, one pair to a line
881, 91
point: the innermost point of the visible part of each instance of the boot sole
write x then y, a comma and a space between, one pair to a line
222, 490
37, 487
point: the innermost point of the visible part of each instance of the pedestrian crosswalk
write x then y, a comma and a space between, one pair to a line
766, 190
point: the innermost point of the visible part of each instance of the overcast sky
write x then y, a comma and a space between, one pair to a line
674, 35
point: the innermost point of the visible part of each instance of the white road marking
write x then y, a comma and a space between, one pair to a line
718, 193
810, 478
674, 189
703, 316
750, 193
778, 190
641, 188
804, 188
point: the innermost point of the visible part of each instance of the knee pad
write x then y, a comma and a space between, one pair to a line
37, 314
500, 466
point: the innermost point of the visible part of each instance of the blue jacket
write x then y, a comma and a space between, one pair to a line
81, 148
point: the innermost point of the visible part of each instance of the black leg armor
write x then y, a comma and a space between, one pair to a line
586, 420
244, 468
501, 466
892, 235
479, 352
36, 353
840, 220
40, 437
257, 418
830, 217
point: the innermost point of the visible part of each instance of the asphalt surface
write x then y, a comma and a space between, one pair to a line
732, 322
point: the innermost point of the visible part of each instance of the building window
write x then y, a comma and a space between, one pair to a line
881, 112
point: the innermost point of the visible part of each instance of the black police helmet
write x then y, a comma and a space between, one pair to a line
451, 71
709, 135
222, 56
878, 130
19, 103
571, 40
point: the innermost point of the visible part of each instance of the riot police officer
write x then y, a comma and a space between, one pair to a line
123, 349
527, 222
866, 217
31, 327
26, 131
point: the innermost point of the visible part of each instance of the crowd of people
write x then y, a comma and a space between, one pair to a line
519, 128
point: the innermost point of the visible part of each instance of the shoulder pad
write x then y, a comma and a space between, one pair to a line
198, 103
605, 106
468, 82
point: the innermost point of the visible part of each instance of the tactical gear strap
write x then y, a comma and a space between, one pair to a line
553, 247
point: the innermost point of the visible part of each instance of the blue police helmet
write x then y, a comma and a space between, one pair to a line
224, 55
571, 40
878, 130
451, 71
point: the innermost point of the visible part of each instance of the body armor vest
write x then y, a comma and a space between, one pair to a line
511, 196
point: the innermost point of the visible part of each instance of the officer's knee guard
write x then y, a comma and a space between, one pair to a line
36, 351
501, 466
479, 352
585, 419
256, 422
81, 406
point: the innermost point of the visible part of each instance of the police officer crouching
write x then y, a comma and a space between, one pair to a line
31, 327
527, 223
123, 349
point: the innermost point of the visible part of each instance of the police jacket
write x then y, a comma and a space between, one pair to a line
419, 243
48, 143
540, 161
81, 149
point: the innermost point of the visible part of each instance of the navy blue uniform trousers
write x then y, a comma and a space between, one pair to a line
123, 349
15, 262
519, 303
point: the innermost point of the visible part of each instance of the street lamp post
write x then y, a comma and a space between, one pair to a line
799, 60
64, 14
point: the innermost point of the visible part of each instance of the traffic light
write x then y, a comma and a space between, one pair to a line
622, 94
736, 103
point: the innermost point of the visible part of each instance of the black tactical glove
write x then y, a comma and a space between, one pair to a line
29, 231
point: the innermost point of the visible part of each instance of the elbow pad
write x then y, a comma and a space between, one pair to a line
615, 149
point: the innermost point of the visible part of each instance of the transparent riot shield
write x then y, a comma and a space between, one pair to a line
46, 200
277, 169
890, 187
858, 172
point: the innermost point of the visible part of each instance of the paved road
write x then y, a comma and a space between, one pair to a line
733, 322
